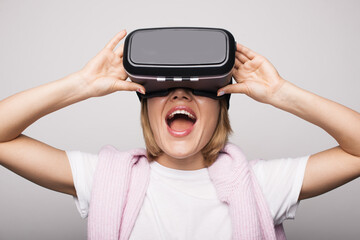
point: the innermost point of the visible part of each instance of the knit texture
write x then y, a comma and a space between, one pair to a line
236, 185
121, 180
119, 187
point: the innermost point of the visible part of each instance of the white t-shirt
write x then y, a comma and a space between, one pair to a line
182, 204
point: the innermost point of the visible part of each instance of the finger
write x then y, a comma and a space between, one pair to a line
120, 50
243, 59
129, 86
233, 88
246, 51
237, 63
113, 42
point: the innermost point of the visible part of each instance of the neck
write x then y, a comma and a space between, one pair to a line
194, 162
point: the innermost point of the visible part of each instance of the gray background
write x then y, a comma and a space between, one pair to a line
313, 44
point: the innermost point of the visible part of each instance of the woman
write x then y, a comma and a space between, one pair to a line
186, 154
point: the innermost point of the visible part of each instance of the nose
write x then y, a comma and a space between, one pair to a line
180, 94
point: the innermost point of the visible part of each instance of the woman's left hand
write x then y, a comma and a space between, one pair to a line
255, 76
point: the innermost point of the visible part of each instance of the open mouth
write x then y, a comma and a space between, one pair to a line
180, 121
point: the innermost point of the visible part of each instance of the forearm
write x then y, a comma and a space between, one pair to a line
339, 121
22, 109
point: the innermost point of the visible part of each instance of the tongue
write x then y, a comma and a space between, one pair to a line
181, 124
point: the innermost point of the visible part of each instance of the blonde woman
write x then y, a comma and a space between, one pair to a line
189, 183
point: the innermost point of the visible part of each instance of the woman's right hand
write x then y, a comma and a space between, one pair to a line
105, 73
39, 162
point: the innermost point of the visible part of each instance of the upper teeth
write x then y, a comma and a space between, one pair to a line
182, 112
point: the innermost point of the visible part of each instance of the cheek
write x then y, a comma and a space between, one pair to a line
210, 116
213, 117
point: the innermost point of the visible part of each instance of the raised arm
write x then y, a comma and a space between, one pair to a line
36, 161
257, 78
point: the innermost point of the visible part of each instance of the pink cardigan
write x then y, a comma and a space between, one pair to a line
121, 180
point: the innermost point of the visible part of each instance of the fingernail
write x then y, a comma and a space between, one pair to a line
140, 91
221, 93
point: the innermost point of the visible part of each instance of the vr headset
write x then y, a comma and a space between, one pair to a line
161, 59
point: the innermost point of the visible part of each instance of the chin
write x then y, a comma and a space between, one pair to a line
181, 150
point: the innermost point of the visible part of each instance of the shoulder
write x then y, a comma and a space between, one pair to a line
286, 167
111, 158
82, 160
111, 151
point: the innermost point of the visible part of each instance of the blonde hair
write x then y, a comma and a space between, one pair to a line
211, 150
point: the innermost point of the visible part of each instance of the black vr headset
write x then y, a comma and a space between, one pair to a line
161, 59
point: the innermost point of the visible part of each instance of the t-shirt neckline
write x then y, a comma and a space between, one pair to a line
199, 174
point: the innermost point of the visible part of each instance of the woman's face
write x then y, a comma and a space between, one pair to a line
182, 123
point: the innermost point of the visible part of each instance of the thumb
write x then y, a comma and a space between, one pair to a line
129, 86
233, 88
